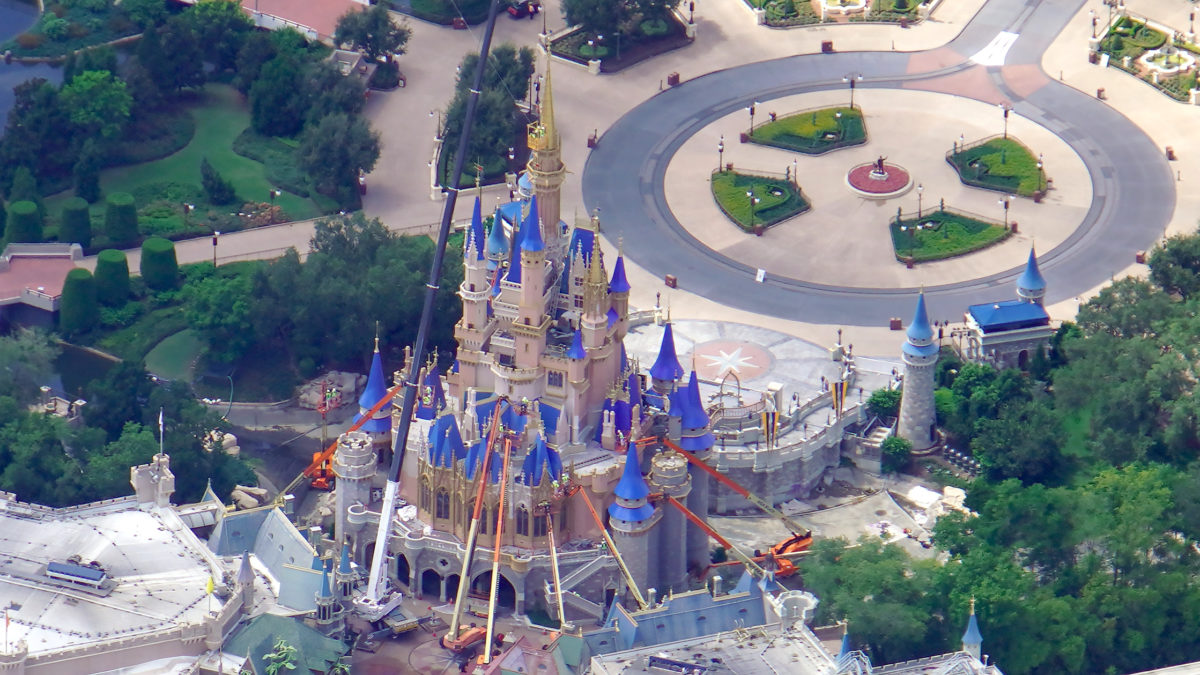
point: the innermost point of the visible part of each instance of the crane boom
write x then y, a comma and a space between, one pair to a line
746, 560
491, 618
637, 594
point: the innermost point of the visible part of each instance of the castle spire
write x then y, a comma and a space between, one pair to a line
376, 389
666, 369
1031, 285
631, 492
475, 238
920, 353
972, 639
547, 110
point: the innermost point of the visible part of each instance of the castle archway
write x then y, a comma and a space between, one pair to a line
402, 569
452, 586
431, 584
506, 594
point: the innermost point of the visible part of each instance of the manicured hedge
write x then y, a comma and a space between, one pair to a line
75, 224
25, 223
78, 310
120, 219
112, 277
159, 267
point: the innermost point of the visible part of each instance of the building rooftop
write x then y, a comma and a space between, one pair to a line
763, 649
319, 16
993, 317
31, 272
157, 572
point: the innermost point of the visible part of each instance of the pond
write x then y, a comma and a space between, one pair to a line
75, 368
15, 17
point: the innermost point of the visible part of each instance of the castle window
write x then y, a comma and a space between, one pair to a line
522, 521
471, 287
483, 520
426, 495
539, 526
579, 301
554, 378
443, 504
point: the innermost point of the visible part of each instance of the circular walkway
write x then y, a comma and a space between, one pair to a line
1133, 189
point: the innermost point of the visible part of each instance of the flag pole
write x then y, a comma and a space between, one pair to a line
160, 431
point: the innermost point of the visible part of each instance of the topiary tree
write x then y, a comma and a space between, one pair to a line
86, 173
896, 453
112, 277
78, 311
218, 190
159, 267
24, 187
120, 219
75, 223
25, 223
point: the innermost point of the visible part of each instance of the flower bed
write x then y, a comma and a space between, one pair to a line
813, 132
942, 234
778, 199
1000, 164
619, 52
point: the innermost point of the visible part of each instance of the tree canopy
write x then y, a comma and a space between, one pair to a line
373, 31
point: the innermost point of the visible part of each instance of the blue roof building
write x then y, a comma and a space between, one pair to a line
666, 369
1009, 333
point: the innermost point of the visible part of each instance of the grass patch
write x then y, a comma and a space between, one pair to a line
814, 132
133, 342
1001, 164
943, 234
787, 12
444, 11
175, 357
777, 199
265, 373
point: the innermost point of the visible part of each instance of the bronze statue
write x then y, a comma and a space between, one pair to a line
879, 165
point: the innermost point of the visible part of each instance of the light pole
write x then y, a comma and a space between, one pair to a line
751, 109
512, 155
795, 172
721, 154
187, 212
753, 201
1041, 167
216, 234
852, 79
1092, 13
1004, 203
274, 193
538, 92
437, 132
1007, 108
920, 189
962, 142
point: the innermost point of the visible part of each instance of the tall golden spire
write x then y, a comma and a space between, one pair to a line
547, 110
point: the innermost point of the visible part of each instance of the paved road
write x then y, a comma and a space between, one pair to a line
1134, 189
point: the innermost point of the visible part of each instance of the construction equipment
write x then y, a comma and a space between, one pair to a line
637, 594
744, 559
491, 619
544, 508
801, 537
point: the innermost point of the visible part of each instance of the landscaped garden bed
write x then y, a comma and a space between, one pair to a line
618, 51
942, 233
1000, 164
1168, 65
813, 132
891, 11
66, 27
444, 12
770, 200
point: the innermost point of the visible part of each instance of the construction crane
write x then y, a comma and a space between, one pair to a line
562, 617
801, 537
746, 560
495, 581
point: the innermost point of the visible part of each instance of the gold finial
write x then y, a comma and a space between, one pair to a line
972, 605
376, 337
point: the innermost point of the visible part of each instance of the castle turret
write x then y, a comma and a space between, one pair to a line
920, 354
379, 427
532, 323
545, 168
153, 483
669, 475
469, 331
632, 521
329, 617
696, 438
354, 465
344, 577
595, 300
972, 639
245, 583
1031, 285
666, 370
619, 288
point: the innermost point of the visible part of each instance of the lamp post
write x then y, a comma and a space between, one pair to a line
962, 142
1041, 167
537, 88
1004, 203
437, 132
852, 79
187, 212
274, 193
751, 109
216, 234
753, 202
920, 189
795, 172
1092, 13
1007, 108
721, 154
512, 155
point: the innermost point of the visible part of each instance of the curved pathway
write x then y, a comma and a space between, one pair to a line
1133, 188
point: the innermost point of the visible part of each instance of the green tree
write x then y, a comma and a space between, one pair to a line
221, 26
24, 223
218, 308
897, 452
27, 358
120, 219
25, 189
145, 13
97, 103
112, 277
1175, 265
884, 403
159, 267
216, 188
87, 171
373, 31
173, 56
257, 49
108, 467
595, 17
1128, 307
277, 98
3, 218
75, 223
331, 92
1022, 442
97, 58
78, 310
35, 134
334, 151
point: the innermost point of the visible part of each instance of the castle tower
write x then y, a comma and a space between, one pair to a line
972, 639
545, 168
575, 406
530, 328
632, 522
470, 329
379, 427
669, 475
344, 577
619, 288
666, 370
153, 483
1031, 285
354, 465
917, 412
329, 618
698, 440
245, 582
595, 300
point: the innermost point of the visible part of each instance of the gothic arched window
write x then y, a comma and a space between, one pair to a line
426, 495
539, 526
483, 520
443, 504
522, 521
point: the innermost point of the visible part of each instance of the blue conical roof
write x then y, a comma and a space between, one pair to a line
542, 459
632, 485
497, 242
577, 351
972, 636
344, 564
666, 366
376, 389
846, 647
325, 592
693, 416
431, 398
476, 238
1031, 279
316, 563
496, 283
619, 283
532, 239
920, 329
514, 272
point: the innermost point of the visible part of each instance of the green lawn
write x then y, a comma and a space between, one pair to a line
134, 341
1001, 164
814, 131
943, 234
161, 187
175, 357
777, 199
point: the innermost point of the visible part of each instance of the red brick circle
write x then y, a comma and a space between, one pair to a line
860, 179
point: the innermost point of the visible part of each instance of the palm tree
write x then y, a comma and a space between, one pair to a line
283, 657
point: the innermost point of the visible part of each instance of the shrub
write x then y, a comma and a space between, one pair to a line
386, 76
1117, 44
896, 453
30, 40
159, 267
3, 218
120, 219
75, 224
25, 187
78, 310
87, 171
25, 223
218, 190
112, 277
884, 403
900, 5
655, 28
55, 28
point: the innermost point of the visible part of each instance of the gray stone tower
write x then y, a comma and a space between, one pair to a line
917, 412
669, 475
1031, 285
354, 466
633, 520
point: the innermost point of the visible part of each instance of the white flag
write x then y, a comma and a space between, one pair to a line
160, 421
